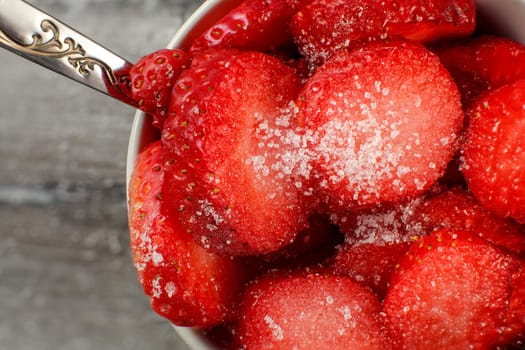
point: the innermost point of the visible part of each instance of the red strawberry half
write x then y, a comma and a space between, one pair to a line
231, 127
367, 114
253, 25
494, 161
152, 79
458, 209
185, 283
371, 264
452, 290
484, 62
310, 311
325, 26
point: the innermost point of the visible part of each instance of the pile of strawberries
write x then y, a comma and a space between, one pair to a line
336, 174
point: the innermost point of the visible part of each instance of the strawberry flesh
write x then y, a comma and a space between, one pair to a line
325, 26
452, 290
307, 310
493, 157
231, 129
185, 283
253, 25
495, 61
367, 114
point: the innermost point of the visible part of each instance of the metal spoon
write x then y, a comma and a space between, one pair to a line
41, 38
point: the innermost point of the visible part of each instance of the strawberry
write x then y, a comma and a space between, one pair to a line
453, 209
451, 291
514, 334
144, 203
371, 264
486, 62
493, 160
308, 310
325, 26
261, 25
152, 79
375, 239
231, 132
185, 283
457, 209
366, 115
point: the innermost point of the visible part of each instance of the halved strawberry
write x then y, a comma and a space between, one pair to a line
325, 26
371, 264
482, 63
260, 25
306, 311
381, 124
452, 290
457, 209
231, 125
185, 283
494, 161
152, 79
144, 203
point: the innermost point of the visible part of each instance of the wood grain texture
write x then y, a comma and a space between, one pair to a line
66, 276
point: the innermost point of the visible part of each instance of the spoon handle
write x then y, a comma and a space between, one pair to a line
41, 38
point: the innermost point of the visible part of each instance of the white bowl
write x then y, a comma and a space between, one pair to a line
508, 16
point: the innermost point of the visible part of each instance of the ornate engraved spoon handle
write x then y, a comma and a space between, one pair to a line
37, 36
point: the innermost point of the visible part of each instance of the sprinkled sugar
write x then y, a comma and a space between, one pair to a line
277, 331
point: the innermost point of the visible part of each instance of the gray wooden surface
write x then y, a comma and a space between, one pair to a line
66, 276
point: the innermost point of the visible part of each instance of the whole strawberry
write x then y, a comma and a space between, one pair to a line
152, 78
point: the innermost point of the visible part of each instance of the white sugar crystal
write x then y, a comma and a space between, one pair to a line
210, 212
445, 141
346, 312
366, 163
420, 185
157, 289
277, 331
170, 289
157, 258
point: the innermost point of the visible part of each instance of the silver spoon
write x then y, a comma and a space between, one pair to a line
41, 38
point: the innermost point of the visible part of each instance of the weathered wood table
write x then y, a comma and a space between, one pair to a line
66, 276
